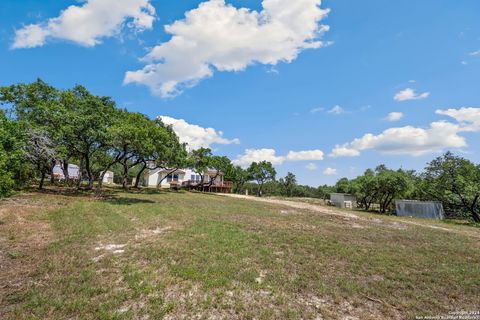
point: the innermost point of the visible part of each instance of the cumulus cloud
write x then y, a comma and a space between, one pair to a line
475, 53
344, 151
469, 118
257, 155
330, 172
409, 140
441, 135
308, 155
410, 94
219, 36
196, 136
311, 166
394, 116
87, 24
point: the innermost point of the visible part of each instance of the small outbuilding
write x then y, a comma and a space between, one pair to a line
343, 200
108, 177
419, 209
73, 172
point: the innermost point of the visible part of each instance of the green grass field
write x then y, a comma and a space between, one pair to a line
199, 256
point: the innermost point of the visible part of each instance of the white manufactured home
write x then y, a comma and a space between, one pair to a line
181, 177
73, 172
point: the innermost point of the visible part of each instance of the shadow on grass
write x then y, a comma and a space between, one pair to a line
126, 201
110, 194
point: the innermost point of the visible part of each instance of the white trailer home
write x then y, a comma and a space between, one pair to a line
181, 177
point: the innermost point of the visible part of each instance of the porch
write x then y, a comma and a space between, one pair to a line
216, 187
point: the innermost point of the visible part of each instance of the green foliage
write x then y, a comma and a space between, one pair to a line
75, 125
11, 153
380, 186
343, 186
219, 164
262, 172
238, 176
456, 182
289, 183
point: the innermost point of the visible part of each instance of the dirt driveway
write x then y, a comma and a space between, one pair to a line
394, 222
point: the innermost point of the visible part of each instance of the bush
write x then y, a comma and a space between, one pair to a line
10, 153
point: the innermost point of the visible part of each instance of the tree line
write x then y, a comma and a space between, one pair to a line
450, 179
42, 127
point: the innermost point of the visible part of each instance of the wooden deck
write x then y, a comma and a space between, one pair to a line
225, 187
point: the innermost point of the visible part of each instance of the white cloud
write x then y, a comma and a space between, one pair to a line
394, 116
218, 36
256, 155
409, 140
344, 151
469, 118
196, 136
316, 110
87, 24
475, 53
308, 155
336, 110
410, 94
330, 172
441, 135
311, 166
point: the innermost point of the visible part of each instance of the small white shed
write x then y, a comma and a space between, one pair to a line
343, 200
108, 177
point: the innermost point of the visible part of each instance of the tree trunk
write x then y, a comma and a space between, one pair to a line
163, 179
102, 175
80, 173
42, 179
66, 174
100, 180
201, 182
260, 188
125, 175
89, 171
52, 178
475, 216
388, 203
139, 174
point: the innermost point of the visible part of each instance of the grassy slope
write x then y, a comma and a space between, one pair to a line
193, 255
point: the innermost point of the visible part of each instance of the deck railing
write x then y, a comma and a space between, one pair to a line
224, 187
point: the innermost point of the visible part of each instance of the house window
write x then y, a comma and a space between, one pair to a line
172, 177
195, 178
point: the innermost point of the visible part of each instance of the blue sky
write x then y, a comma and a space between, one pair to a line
262, 89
